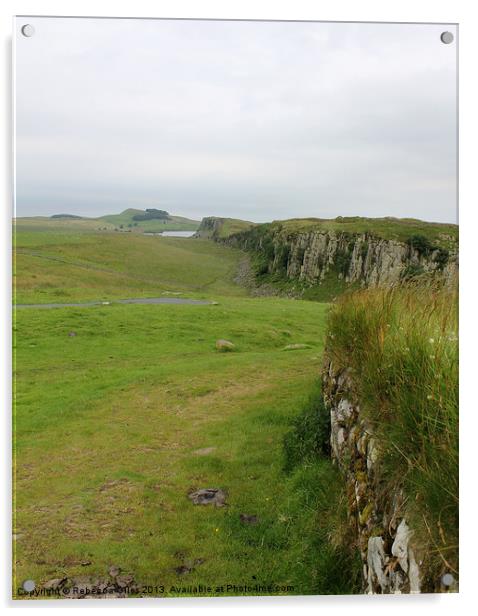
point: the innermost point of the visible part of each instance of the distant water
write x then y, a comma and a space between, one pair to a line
173, 233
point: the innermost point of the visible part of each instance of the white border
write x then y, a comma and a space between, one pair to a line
451, 11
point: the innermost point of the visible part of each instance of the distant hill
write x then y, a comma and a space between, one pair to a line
172, 223
133, 220
66, 216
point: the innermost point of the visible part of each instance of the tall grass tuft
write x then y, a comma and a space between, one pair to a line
324, 555
401, 344
309, 437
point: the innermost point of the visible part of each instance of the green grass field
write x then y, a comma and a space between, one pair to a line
71, 266
122, 410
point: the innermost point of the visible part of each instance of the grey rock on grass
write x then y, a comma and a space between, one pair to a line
225, 346
208, 496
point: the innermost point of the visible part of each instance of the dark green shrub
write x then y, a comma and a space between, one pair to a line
261, 266
268, 249
151, 214
441, 257
421, 244
342, 261
283, 257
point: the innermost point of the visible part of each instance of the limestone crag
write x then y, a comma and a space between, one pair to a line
355, 258
210, 227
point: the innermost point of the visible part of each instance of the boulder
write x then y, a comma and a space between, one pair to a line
296, 347
225, 346
208, 496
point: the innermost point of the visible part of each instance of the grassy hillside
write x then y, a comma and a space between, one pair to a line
61, 225
401, 345
52, 266
233, 225
122, 410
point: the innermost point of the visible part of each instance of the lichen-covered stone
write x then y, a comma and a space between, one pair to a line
376, 561
400, 545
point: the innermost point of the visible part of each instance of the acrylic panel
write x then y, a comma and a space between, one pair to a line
235, 320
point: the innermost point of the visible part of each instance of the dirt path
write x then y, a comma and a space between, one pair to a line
145, 300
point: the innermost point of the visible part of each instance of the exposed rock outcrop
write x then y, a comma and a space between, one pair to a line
367, 259
215, 228
210, 227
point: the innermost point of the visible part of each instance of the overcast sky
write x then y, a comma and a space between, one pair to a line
253, 120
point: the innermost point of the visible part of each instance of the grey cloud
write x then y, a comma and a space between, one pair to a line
245, 119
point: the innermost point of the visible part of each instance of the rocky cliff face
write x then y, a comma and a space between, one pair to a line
210, 228
354, 258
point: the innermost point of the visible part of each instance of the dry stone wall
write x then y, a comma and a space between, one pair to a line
385, 540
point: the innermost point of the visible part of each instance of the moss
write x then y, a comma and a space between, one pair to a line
351, 499
359, 466
365, 514
361, 476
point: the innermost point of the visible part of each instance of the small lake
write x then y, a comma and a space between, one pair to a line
173, 233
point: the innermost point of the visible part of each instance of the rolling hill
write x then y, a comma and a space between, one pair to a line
111, 222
